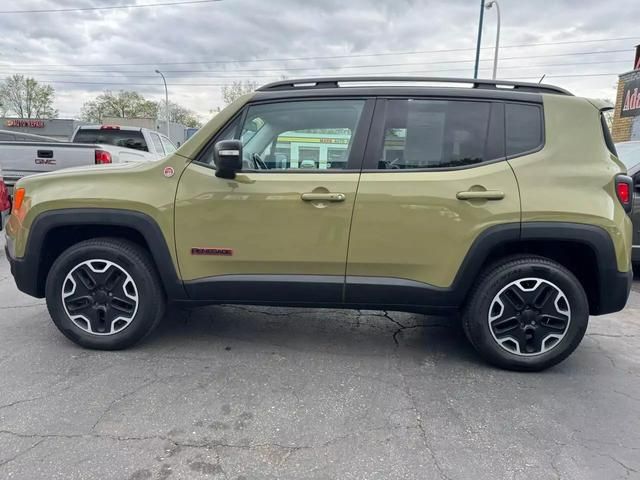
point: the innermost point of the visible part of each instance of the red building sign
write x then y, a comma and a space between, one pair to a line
22, 123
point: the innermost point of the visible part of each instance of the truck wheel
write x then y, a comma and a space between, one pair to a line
526, 313
104, 294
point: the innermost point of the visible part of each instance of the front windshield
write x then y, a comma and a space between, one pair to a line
629, 153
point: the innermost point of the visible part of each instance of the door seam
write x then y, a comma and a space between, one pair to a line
355, 200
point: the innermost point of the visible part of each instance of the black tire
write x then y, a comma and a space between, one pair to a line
125, 260
522, 330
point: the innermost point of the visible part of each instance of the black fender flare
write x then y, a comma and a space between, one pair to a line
146, 226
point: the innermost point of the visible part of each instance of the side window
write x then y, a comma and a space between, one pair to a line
294, 135
435, 134
157, 143
168, 146
523, 128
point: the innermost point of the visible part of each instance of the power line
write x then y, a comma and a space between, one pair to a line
112, 7
328, 57
226, 84
340, 67
231, 75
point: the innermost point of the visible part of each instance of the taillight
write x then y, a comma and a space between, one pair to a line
624, 191
5, 204
102, 157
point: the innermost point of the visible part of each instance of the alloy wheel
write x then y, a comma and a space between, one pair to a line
529, 316
100, 297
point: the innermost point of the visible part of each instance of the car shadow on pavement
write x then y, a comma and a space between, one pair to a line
203, 331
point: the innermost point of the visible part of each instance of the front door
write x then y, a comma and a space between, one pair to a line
278, 232
434, 179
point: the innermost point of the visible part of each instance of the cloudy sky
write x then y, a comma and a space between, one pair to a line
578, 44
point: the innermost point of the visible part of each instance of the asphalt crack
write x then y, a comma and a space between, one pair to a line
114, 402
24, 452
419, 424
402, 327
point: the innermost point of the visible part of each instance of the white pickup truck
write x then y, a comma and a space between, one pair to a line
89, 145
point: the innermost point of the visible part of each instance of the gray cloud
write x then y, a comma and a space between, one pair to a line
231, 30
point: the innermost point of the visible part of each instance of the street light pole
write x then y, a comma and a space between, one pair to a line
475, 68
495, 54
166, 101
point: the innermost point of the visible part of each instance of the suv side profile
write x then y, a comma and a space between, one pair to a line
504, 201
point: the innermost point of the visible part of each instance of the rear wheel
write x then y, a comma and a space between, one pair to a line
526, 313
104, 294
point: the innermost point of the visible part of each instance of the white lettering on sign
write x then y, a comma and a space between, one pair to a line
21, 123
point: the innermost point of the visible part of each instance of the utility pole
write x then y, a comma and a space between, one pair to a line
475, 68
166, 101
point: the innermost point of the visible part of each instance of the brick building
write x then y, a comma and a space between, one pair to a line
626, 117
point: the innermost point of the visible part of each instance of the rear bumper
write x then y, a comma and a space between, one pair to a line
614, 291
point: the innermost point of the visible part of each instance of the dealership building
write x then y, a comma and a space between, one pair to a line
58, 128
626, 117
63, 128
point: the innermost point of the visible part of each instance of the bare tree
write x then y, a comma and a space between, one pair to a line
27, 98
178, 114
236, 90
122, 104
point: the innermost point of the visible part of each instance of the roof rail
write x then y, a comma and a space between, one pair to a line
335, 82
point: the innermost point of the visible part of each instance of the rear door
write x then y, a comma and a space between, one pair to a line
435, 179
278, 232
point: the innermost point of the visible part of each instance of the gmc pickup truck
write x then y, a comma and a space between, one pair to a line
89, 145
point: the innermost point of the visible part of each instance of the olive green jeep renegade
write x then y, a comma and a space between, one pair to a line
503, 201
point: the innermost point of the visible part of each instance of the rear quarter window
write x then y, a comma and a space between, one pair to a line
155, 138
523, 128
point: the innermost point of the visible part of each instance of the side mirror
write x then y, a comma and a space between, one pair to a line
227, 155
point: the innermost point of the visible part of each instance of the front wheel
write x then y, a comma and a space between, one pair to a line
104, 294
527, 313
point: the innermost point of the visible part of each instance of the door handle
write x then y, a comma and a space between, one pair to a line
327, 197
480, 195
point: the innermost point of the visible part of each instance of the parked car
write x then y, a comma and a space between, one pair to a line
486, 200
629, 153
89, 145
5, 203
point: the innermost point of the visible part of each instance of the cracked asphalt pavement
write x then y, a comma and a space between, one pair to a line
270, 393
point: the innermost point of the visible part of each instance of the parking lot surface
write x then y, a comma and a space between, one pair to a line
264, 393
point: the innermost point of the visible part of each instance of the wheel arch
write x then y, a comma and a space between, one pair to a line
585, 250
54, 231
